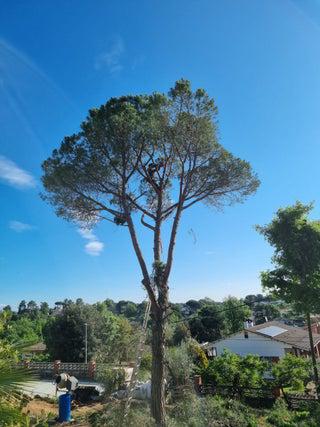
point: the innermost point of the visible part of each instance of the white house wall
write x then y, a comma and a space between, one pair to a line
254, 344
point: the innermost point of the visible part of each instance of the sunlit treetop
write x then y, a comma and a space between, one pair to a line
134, 148
296, 240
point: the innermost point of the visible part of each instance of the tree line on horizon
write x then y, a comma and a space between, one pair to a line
113, 327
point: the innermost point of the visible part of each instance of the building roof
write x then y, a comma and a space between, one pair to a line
296, 337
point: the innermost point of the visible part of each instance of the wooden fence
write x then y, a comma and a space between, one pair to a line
256, 397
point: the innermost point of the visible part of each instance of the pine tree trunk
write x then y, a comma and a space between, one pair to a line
158, 374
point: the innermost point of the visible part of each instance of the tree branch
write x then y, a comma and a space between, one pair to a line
146, 278
139, 207
143, 222
175, 227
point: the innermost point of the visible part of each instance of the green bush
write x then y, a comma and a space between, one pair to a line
235, 372
111, 378
146, 361
112, 416
292, 372
199, 356
280, 416
193, 411
180, 365
11, 416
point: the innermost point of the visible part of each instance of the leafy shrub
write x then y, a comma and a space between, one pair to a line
292, 372
280, 416
186, 411
199, 356
231, 370
112, 379
193, 411
146, 361
180, 365
112, 416
11, 416
181, 333
210, 411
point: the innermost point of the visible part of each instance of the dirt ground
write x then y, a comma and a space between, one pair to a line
38, 407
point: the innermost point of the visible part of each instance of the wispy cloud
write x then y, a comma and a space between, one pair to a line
14, 64
209, 252
137, 62
111, 57
20, 227
87, 234
94, 247
13, 175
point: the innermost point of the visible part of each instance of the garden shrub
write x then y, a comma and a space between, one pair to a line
198, 354
11, 416
180, 365
112, 379
281, 416
193, 411
146, 361
112, 416
292, 372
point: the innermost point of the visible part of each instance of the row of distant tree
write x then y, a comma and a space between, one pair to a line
113, 326
260, 305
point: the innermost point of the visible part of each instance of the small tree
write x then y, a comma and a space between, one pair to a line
236, 372
263, 311
64, 335
209, 323
180, 365
181, 333
154, 156
22, 307
235, 313
291, 371
296, 278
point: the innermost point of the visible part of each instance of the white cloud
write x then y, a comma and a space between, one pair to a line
111, 58
86, 234
14, 175
20, 227
94, 247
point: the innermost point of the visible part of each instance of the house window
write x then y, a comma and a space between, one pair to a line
212, 352
246, 335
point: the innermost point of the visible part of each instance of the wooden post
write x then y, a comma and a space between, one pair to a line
91, 369
56, 366
276, 392
197, 382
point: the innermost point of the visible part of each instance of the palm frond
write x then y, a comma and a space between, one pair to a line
22, 345
13, 379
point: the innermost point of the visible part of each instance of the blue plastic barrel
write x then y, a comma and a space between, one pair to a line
65, 407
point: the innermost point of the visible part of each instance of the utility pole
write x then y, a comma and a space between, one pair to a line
86, 342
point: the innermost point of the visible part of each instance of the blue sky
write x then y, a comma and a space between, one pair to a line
260, 60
